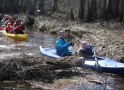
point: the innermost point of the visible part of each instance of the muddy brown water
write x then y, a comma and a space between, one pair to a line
11, 49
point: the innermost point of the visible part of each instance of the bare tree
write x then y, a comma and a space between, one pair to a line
55, 6
41, 6
32, 9
81, 9
72, 14
123, 11
22, 5
93, 9
88, 14
109, 9
115, 8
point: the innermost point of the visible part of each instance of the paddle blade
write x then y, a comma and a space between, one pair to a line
97, 67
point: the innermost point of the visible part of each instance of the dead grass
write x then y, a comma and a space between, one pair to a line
107, 40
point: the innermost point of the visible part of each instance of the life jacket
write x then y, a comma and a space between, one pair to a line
9, 27
62, 47
18, 28
87, 51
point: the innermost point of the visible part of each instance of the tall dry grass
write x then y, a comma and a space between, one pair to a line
107, 40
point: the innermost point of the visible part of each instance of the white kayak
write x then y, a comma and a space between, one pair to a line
49, 52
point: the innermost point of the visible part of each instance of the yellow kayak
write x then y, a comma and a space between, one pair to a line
19, 37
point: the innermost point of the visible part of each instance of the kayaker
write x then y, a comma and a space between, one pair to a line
10, 19
5, 18
85, 50
8, 27
18, 27
62, 45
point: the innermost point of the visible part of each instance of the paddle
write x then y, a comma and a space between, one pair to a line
97, 67
15, 28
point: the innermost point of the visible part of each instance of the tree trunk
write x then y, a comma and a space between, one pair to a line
32, 10
123, 11
88, 14
41, 7
104, 9
93, 9
81, 9
72, 14
109, 10
6, 8
55, 6
102, 12
115, 8
23, 5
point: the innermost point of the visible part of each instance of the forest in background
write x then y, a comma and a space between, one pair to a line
84, 10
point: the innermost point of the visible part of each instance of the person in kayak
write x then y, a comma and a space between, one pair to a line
5, 18
10, 19
18, 27
61, 45
85, 50
8, 27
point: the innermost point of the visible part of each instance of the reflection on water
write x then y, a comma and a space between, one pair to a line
115, 82
10, 48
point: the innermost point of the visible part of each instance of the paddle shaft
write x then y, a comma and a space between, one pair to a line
95, 56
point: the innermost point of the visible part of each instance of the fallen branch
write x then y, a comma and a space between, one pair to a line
96, 81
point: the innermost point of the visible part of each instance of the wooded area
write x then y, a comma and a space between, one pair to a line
85, 10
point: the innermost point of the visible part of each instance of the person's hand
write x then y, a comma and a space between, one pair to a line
71, 43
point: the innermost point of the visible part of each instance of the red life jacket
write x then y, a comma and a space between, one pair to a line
18, 28
9, 28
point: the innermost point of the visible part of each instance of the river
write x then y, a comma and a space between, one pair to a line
14, 49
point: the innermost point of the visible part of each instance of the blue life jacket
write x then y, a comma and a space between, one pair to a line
87, 51
62, 47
